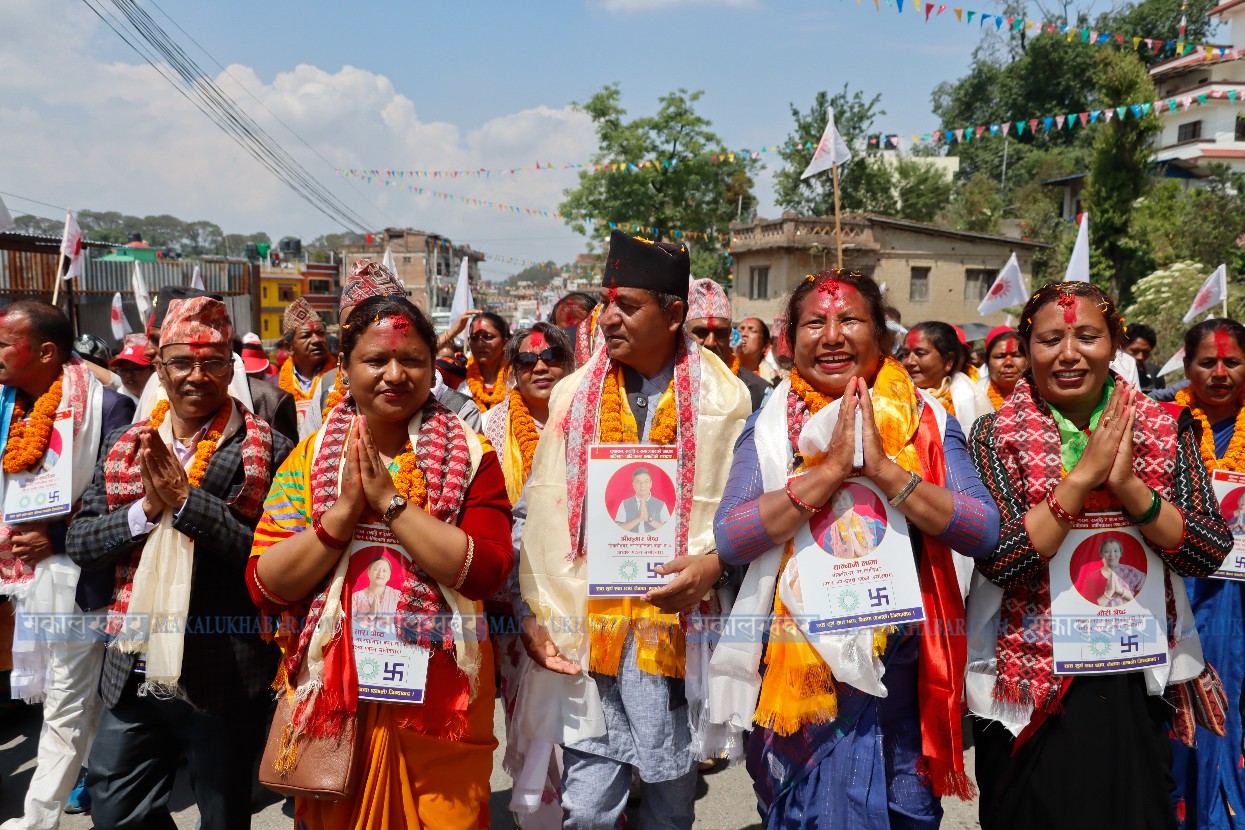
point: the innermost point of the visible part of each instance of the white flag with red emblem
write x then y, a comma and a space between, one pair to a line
1078, 265
1213, 292
1009, 289
1176, 364
120, 325
831, 150
142, 297
71, 246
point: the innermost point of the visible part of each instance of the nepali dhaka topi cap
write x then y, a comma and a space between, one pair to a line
707, 299
199, 321
298, 314
368, 278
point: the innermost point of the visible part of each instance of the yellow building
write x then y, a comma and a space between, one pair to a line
278, 287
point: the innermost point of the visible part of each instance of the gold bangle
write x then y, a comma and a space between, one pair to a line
462, 574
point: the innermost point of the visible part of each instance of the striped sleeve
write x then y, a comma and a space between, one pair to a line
287, 509
1015, 559
1206, 539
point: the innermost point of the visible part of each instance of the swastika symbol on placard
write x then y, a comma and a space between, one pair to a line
394, 672
1129, 644
879, 597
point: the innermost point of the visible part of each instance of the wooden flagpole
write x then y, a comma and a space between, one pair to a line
838, 228
60, 266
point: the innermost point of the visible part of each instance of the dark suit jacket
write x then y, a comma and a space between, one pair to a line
226, 662
274, 405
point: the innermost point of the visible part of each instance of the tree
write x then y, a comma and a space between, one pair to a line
538, 274
1162, 298
977, 205
1119, 173
671, 185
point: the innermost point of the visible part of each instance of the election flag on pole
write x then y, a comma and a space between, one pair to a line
71, 246
1009, 289
141, 296
6, 219
1078, 265
196, 279
1213, 292
831, 150
462, 294
1176, 364
120, 325
389, 262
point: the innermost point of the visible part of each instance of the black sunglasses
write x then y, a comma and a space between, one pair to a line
553, 356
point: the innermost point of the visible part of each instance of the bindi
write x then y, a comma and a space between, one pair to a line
537, 342
1068, 303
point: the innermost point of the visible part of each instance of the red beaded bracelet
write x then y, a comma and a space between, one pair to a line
1057, 509
327, 539
799, 503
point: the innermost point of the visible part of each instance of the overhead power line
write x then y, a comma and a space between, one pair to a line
155, 46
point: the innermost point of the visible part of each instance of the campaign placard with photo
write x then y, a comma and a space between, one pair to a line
389, 669
45, 490
1230, 493
855, 563
1107, 599
629, 522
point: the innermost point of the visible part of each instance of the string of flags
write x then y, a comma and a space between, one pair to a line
391, 177
629, 227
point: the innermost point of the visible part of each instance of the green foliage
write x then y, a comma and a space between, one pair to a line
693, 193
537, 274
321, 248
1161, 19
977, 206
197, 238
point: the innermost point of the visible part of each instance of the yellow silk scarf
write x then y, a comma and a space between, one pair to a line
797, 688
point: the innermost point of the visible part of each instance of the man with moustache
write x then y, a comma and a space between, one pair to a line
309, 358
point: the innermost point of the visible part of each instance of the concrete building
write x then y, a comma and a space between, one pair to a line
1194, 137
427, 262
930, 273
278, 287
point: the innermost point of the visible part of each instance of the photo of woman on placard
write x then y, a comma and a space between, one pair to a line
852, 525
1104, 573
374, 598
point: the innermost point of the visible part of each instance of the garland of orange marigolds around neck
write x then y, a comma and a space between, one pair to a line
1234, 458
206, 447
523, 428
475, 382
996, 397
28, 439
618, 428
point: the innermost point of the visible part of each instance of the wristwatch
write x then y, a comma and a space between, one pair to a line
394, 508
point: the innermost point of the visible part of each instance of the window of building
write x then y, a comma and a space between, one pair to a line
285, 294
977, 282
320, 286
265, 292
1190, 131
1240, 127
266, 322
918, 285
406, 260
758, 283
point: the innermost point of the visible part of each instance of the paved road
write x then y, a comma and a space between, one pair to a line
724, 799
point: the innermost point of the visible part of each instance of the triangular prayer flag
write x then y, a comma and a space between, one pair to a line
1136, 110
1020, 128
1085, 33
1120, 111
929, 8
1047, 120
959, 15
899, 3
1232, 95
970, 16
1059, 119
979, 131
1033, 122
1093, 116
994, 129
998, 22
1107, 115
1146, 107
1006, 125
1201, 99
1171, 104
942, 9
959, 135
1084, 117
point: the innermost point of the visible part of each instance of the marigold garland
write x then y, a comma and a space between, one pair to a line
207, 445
408, 478
523, 428
814, 400
28, 439
996, 397
943, 396
1234, 458
475, 382
335, 395
665, 421
286, 381
734, 364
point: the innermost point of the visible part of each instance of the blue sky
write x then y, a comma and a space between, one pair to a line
429, 85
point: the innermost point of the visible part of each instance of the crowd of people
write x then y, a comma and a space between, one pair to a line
659, 535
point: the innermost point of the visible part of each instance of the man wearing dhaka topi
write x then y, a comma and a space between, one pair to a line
171, 514
310, 357
627, 690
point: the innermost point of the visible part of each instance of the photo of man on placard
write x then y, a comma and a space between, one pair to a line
642, 512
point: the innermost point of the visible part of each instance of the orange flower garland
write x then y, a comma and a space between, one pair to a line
523, 428
665, 420
335, 394
734, 364
996, 397
286, 381
408, 478
475, 382
1234, 458
207, 445
28, 439
814, 400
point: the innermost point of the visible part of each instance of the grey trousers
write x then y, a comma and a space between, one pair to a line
595, 791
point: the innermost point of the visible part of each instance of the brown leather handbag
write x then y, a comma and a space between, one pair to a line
327, 768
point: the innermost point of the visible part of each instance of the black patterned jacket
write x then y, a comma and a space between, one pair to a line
226, 662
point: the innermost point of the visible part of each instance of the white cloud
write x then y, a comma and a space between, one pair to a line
117, 136
631, 6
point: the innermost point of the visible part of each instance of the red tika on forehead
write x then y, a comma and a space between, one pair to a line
612, 294
537, 342
1223, 344
914, 337
1010, 345
398, 322
1068, 303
